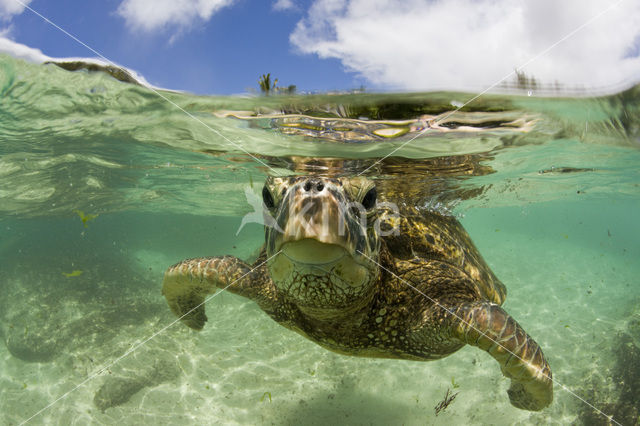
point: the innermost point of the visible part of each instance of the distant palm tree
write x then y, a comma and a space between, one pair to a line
265, 83
525, 82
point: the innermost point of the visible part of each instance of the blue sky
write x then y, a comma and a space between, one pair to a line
225, 54
223, 46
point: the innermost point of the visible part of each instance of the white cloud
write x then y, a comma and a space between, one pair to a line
426, 44
281, 5
8, 8
21, 51
152, 15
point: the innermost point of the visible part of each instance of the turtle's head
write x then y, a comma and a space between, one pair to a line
323, 234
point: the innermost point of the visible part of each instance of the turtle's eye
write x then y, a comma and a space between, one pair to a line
267, 198
369, 199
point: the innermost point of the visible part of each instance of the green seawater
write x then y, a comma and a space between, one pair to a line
104, 184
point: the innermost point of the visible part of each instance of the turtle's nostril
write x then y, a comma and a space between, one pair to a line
313, 186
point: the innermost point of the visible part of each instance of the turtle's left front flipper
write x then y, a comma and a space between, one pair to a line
487, 326
187, 283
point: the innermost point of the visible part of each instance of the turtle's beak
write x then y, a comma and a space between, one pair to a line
316, 211
315, 216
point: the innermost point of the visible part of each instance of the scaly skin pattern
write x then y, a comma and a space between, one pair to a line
490, 328
432, 295
188, 283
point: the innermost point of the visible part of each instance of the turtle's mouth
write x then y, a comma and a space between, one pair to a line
309, 262
310, 251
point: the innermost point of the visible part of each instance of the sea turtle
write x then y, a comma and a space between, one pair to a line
364, 277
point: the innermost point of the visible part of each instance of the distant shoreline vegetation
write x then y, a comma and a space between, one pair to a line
522, 81
267, 88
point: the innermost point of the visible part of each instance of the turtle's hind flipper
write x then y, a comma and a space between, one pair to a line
489, 327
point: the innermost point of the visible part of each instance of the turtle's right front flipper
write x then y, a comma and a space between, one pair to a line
187, 283
487, 326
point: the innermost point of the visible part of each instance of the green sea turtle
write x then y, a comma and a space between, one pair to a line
344, 269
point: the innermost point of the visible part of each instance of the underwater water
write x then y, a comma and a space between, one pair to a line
104, 184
